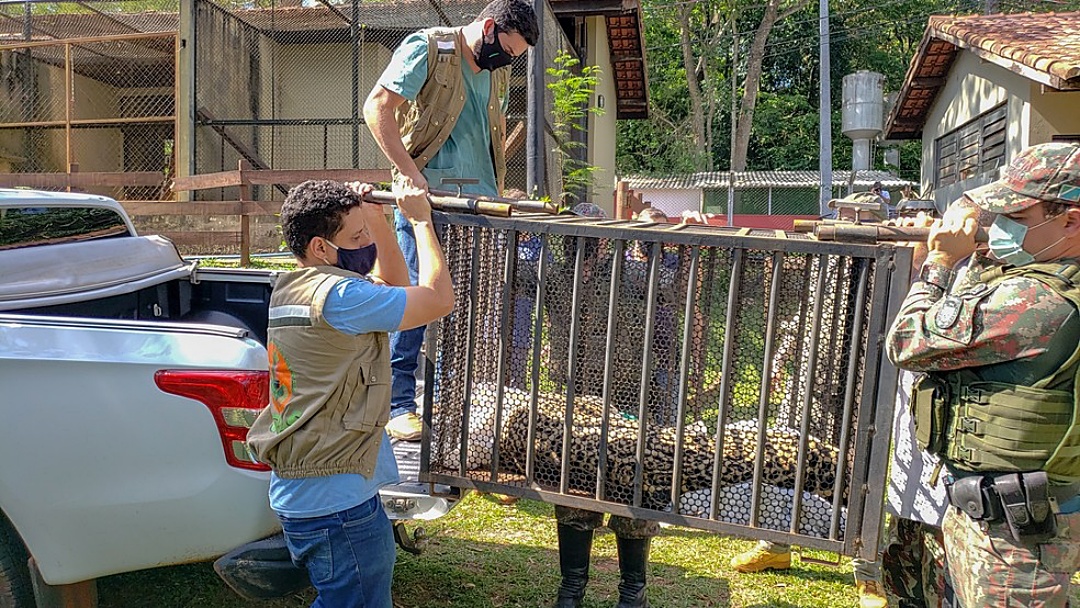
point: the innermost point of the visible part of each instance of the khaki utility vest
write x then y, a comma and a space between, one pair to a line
329, 391
425, 124
983, 426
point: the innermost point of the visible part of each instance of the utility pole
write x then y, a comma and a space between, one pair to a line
534, 140
734, 75
825, 108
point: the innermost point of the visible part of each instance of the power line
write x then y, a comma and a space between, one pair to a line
790, 45
798, 41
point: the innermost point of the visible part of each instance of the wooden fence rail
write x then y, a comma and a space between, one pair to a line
242, 178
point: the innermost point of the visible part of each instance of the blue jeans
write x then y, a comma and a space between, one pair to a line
405, 345
349, 555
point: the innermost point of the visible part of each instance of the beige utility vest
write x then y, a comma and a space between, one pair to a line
426, 123
329, 391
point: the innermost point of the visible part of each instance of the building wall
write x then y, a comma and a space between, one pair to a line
92, 149
1053, 113
231, 81
325, 68
973, 87
10, 144
602, 128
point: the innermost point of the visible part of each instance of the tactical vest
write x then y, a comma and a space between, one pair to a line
982, 426
425, 124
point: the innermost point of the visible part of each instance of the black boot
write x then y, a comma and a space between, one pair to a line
633, 559
575, 549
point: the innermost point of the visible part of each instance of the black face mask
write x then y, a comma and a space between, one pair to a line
491, 55
360, 260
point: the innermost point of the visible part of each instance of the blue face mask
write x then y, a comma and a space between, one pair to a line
1007, 241
360, 261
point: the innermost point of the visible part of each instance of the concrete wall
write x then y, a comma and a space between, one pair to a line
325, 69
92, 149
602, 128
10, 139
974, 86
232, 59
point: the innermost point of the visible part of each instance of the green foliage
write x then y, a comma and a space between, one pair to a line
794, 147
572, 87
663, 144
865, 35
265, 263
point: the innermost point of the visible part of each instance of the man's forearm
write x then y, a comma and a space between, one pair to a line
383, 126
390, 263
432, 270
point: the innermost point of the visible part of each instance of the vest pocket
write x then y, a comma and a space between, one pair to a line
369, 408
928, 412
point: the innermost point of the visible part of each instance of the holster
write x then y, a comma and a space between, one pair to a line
975, 496
1025, 501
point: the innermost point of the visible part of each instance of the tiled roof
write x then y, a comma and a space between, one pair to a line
762, 179
1044, 47
626, 43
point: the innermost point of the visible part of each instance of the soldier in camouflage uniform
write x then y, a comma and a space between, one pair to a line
998, 399
913, 564
632, 539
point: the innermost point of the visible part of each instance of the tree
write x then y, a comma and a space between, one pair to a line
572, 89
775, 10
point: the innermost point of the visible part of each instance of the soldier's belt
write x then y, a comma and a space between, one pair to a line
1025, 501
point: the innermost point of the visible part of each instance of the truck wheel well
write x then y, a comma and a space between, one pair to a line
15, 586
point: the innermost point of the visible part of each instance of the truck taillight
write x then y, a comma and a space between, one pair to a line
234, 398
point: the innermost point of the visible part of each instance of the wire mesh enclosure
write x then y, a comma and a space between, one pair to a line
92, 86
96, 86
283, 84
709, 377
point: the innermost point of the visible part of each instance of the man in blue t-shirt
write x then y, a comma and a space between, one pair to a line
503, 31
323, 434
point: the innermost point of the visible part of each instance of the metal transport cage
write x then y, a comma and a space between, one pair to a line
723, 379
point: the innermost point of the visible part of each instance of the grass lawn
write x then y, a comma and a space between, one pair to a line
484, 554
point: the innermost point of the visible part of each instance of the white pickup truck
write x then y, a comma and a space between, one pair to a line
130, 376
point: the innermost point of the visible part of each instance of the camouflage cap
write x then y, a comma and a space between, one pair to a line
588, 210
1042, 173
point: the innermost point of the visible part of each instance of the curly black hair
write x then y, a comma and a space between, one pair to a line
314, 208
513, 16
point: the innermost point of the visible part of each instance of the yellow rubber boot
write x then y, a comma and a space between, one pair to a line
406, 427
761, 557
871, 595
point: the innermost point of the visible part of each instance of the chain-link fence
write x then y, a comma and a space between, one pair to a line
282, 85
89, 87
93, 87
765, 200
742, 198
673, 373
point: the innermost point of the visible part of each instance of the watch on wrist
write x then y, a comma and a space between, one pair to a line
937, 275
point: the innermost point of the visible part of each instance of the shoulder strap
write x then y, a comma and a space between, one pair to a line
440, 40
1064, 273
